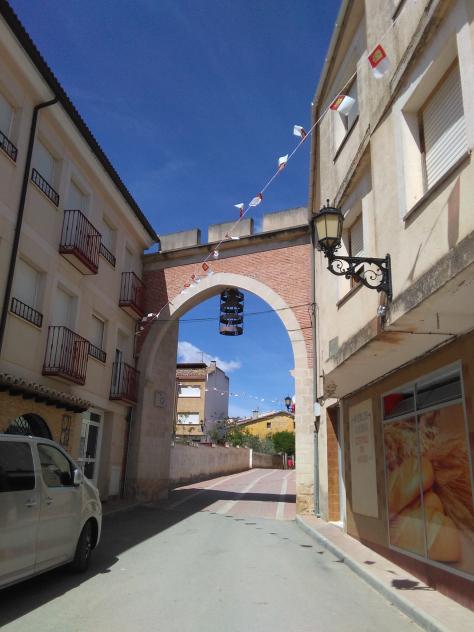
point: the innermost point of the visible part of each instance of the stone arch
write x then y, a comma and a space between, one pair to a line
149, 451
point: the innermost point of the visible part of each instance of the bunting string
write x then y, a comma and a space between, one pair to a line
341, 103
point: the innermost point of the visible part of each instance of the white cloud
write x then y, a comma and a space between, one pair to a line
187, 352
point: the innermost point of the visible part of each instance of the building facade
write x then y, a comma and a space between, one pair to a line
202, 399
71, 244
396, 438
268, 424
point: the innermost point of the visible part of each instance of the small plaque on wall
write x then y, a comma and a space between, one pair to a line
160, 399
363, 466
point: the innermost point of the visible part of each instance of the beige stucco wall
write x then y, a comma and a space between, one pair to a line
189, 463
280, 422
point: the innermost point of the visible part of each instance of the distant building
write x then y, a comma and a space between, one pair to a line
268, 423
202, 399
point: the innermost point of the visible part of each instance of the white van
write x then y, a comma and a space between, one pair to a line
50, 514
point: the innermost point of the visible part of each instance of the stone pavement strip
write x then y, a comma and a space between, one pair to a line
427, 607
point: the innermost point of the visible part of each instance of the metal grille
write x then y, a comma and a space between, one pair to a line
132, 293
124, 382
8, 147
45, 187
80, 238
66, 354
29, 425
97, 353
26, 312
108, 256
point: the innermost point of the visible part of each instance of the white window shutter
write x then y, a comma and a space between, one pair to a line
26, 284
6, 116
75, 198
444, 127
108, 236
63, 309
97, 334
44, 162
357, 238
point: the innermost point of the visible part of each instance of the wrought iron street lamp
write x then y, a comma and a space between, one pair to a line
288, 402
372, 272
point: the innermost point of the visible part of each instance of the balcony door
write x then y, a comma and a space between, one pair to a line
89, 447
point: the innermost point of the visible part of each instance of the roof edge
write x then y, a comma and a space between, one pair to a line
45, 71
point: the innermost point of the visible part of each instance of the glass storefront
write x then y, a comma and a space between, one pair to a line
428, 470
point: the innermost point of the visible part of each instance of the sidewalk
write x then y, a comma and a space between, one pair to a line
425, 606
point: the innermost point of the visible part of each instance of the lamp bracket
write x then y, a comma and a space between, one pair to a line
372, 272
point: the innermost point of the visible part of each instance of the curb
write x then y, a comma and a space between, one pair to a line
419, 617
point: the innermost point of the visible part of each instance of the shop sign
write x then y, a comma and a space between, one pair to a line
363, 466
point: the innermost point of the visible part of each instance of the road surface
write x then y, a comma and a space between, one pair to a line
223, 555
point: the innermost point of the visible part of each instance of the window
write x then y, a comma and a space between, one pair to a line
108, 235
269, 424
27, 284
6, 116
44, 162
56, 469
128, 261
76, 200
63, 310
355, 244
97, 331
189, 391
428, 471
188, 419
443, 127
343, 123
16, 467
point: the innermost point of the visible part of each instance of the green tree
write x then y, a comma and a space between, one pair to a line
284, 441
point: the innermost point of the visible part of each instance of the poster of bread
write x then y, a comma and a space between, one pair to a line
429, 487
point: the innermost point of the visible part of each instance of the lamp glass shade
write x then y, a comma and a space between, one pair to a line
328, 223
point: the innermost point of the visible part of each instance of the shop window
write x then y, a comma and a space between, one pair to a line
428, 472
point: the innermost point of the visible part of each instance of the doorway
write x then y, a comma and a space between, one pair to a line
89, 447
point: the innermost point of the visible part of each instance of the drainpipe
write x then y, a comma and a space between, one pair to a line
19, 219
314, 140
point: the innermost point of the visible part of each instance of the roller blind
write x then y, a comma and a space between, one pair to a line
6, 115
356, 235
75, 199
27, 281
444, 127
44, 162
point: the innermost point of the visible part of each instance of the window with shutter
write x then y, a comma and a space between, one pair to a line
75, 199
108, 236
63, 311
44, 163
356, 238
443, 127
6, 116
27, 284
97, 332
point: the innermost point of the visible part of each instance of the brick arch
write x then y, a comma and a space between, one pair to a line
279, 273
210, 286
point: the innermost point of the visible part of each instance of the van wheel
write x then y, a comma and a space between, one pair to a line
82, 556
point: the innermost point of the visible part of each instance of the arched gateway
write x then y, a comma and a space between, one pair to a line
274, 265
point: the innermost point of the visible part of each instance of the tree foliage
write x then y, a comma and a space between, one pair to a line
284, 441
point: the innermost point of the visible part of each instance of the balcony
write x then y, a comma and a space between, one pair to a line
132, 295
45, 187
108, 256
8, 147
66, 355
26, 312
124, 383
80, 242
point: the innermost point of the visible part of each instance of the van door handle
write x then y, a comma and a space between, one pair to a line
31, 502
49, 500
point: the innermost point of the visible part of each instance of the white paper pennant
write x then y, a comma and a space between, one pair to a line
299, 131
256, 200
282, 161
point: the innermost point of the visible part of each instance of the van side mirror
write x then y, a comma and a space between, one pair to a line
78, 477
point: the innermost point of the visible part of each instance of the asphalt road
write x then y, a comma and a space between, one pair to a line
220, 556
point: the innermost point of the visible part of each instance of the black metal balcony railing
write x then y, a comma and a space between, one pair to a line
80, 242
66, 354
25, 311
108, 256
124, 382
132, 295
8, 147
45, 187
97, 353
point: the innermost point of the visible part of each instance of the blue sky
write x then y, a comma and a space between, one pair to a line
194, 101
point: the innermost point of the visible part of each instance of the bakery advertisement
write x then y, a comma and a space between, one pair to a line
429, 487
